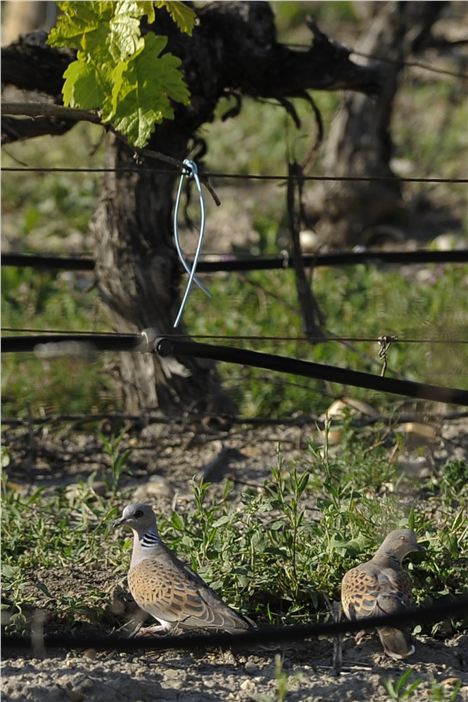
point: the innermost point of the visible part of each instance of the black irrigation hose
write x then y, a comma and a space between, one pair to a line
71, 342
82, 343
335, 259
254, 263
43, 261
423, 391
447, 608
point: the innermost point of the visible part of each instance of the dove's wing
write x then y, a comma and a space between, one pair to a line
370, 590
178, 596
360, 589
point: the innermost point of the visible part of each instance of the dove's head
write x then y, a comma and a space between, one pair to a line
400, 542
138, 516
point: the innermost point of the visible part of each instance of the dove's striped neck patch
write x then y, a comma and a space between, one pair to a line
394, 561
150, 538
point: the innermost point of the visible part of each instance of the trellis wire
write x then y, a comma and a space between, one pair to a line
412, 64
241, 337
407, 64
241, 176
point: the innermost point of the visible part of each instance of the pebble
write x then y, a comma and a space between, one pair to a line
247, 685
90, 653
174, 674
251, 668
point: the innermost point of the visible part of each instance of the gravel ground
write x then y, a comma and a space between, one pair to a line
229, 676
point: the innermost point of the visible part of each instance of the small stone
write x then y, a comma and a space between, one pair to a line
251, 668
450, 682
416, 434
247, 685
229, 658
90, 653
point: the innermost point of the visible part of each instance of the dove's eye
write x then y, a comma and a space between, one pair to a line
138, 514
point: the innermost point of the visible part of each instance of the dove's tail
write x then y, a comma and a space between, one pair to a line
397, 644
238, 623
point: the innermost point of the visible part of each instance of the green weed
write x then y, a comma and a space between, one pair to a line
408, 687
278, 553
404, 688
281, 678
438, 692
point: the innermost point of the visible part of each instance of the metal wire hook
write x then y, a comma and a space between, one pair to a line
384, 344
191, 170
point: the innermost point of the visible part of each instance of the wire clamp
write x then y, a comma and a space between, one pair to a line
149, 340
284, 253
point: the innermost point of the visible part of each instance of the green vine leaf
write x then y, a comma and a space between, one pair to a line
140, 104
83, 86
147, 8
183, 16
79, 24
118, 71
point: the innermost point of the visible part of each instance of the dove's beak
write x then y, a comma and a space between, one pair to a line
118, 522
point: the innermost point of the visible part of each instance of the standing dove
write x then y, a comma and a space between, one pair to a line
165, 587
381, 586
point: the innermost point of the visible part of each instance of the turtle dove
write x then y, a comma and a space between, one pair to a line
381, 586
165, 587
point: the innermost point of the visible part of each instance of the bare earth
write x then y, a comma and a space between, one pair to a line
230, 676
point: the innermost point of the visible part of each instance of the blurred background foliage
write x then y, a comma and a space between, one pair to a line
49, 212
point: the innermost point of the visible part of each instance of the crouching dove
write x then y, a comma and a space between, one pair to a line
381, 586
165, 587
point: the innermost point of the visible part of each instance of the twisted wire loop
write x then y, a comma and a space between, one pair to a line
190, 171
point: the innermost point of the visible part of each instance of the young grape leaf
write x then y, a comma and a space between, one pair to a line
81, 87
147, 84
79, 22
117, 70
182, 15
101, 28
134, 8
88, 85
125, 36
144, 8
